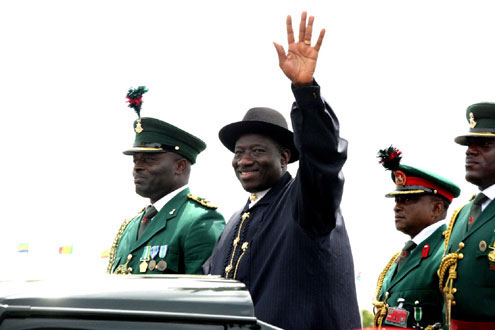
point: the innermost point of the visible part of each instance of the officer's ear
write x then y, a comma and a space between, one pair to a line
438, 207
181, 166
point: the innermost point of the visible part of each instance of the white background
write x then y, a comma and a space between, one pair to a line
395, 72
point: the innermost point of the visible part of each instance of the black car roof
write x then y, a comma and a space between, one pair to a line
177, 297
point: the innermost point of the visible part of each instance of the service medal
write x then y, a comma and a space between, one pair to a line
152, 265
162, 265
154, 251
163, 251
491, 255
143, 266
146, 253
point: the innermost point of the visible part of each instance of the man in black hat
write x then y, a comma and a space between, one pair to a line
177, 231
468, 267
289, 244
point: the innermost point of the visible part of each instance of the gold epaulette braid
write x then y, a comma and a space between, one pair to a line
113, 250
449, 264
448, 261
380, 307
448, 232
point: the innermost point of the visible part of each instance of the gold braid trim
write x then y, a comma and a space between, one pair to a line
448, 232
380, 307
405, 192
449, 264
113, 251
202, 201
236, 241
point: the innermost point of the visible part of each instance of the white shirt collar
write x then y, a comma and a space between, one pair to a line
159, 204
260, 195
490, 193
426, 232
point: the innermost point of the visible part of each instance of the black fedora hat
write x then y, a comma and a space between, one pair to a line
264, 121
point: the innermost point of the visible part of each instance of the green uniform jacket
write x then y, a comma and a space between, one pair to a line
417, 280
189, 229
475, 283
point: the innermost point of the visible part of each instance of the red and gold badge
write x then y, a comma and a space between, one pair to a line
400, 178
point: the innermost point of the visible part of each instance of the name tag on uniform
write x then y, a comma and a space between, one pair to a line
397, 317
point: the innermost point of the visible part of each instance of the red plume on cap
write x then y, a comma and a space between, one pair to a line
135, 98
390, 158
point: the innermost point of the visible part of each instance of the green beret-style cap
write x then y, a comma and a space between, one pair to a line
153, 135
481, 119
412, 180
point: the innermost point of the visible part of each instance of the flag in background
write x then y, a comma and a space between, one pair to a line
66, 249
105, 253
23, 247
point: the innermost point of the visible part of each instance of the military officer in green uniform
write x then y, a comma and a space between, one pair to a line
407, 293
468, 268
177, 232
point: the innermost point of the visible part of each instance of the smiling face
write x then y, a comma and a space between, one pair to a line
480, 162
259, 162
413, 213
157, 174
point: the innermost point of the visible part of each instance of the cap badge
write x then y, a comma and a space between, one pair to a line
400, 178
472, 123
138, 128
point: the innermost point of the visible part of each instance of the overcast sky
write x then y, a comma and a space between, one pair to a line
395, 72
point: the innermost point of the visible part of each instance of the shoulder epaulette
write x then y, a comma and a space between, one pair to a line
202, 201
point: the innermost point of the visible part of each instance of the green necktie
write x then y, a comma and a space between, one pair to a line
476, 208
406, 251
148, 215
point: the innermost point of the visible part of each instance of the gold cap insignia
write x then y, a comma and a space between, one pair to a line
472, 123
400, 178
138, 128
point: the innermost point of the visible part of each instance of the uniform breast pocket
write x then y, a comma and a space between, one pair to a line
485, 269
421, 297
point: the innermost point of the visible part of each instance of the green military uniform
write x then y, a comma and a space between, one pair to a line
475, 282
186, 227
409, 296
181, 236
468, 268
417, 282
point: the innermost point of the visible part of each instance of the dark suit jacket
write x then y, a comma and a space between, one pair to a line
298, 264
417, 281
475, 282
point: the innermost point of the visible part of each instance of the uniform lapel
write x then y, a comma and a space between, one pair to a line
387, 282
159, 222
415, 259
485, 216
410, 263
